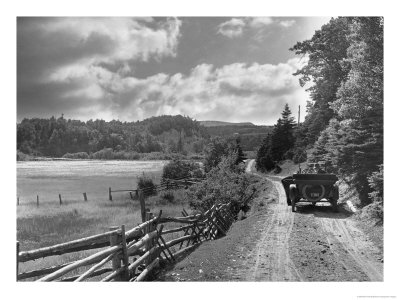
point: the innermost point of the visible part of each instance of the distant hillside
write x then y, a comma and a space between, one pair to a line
251, 135
168, 134
57, 137
220, 123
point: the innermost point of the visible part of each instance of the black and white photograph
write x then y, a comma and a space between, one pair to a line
182, 149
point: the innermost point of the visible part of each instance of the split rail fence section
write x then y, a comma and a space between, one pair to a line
166, 184
130, 255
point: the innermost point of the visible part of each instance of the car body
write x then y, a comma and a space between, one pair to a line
311, 188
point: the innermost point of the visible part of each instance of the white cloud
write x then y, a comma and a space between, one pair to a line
111, 40
236, 26
260, 21
287, 23
232, 28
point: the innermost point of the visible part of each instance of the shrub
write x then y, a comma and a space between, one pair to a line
288, 154
157, 156
22, 156
225, 183
373, 211
177, 169
277, 169
106, 153
126, 155
196, 157
265, 163
299, 155
215, 151
376, 183
147, 185
168, 196
77, 155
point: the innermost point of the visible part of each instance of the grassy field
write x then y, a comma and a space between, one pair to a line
51, 224
71, 179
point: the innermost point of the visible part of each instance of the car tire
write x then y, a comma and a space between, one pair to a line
334, 205
293, 196
335, 198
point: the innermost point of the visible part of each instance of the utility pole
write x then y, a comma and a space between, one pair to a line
298, 128
298, 119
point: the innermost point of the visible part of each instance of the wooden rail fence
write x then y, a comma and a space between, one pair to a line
134, 193
130, 255
85, 198
164, 185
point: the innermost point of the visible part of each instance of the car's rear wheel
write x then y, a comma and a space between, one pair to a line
335, 198
293, 196
334, 205
293, 206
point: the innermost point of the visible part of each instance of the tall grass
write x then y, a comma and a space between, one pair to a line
51, 224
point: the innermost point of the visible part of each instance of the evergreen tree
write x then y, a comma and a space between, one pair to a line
241, 157
276, 145
282, 139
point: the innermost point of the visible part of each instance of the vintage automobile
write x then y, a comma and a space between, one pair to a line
311, 185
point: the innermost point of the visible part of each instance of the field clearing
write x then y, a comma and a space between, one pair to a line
71, 179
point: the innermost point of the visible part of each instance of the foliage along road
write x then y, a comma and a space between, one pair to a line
314, 244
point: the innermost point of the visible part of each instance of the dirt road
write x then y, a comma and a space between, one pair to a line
314, 244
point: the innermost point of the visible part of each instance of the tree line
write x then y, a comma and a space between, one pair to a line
99, 139
344, 121
56, 137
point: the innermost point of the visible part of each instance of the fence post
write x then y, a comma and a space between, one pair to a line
59, 196
125, 257
84, 196
148, 230
37, 200
142, 206
17, 259
109, 194
116, 261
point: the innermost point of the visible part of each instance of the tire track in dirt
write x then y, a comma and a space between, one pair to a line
355, 243
272, 259
346, 255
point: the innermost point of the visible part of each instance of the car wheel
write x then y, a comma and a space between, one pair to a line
334, 205
293, 196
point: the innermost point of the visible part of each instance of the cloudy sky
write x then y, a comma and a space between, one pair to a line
236, 69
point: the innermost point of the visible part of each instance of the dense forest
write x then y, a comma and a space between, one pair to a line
57, 137
60, 137
344, 121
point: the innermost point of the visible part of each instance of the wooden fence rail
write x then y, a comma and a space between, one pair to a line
164, 185
130, 255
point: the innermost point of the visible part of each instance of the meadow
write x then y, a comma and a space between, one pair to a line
48, 179
51, 223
